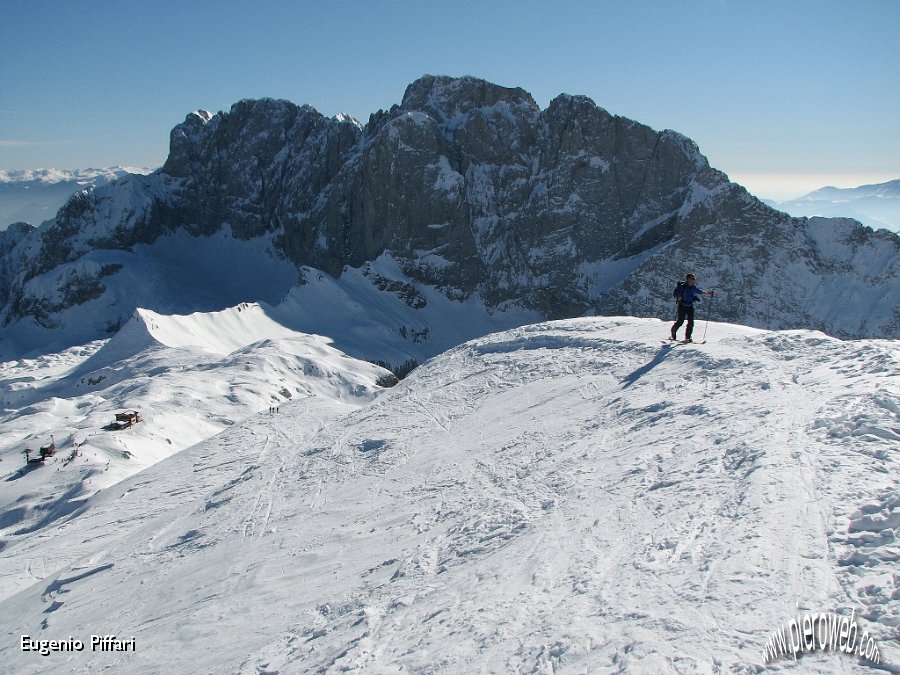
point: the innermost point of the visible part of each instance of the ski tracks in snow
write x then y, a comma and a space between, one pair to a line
512, 551
558, 498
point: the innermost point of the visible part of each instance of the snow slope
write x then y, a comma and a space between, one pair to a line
371, 324
189, 377
563, 497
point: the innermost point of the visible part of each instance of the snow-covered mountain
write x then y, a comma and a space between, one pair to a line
562, 497
32, 197
565, 496
873, 205
464, 194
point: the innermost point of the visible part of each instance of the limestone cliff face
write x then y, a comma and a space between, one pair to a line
474, 190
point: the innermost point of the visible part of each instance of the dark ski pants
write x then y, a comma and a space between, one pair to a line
684, 312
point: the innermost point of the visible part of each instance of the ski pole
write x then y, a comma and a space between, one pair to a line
708, 312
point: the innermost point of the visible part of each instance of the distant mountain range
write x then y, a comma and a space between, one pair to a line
873, 205
464, 209
35, 196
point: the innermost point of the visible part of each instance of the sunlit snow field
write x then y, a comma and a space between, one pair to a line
573, 496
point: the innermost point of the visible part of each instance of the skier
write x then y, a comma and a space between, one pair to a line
686, 293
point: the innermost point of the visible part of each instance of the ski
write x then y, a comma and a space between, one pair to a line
675, 343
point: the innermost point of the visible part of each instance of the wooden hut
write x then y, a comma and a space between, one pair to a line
48, 450
126, 420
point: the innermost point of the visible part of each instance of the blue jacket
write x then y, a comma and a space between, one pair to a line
689, 294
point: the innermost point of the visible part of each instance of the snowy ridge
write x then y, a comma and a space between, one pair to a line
562, 497
218, 332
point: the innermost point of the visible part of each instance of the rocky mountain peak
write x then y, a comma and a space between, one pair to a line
260, 126
446, 97
184, 143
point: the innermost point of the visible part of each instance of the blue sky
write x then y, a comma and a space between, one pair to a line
784, 96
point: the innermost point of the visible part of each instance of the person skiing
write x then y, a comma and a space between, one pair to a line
686, 293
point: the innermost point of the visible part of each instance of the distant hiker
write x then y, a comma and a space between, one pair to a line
686, 293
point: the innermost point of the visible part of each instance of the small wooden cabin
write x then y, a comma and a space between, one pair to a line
125, 420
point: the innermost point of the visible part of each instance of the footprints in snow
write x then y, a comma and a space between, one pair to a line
869, 556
